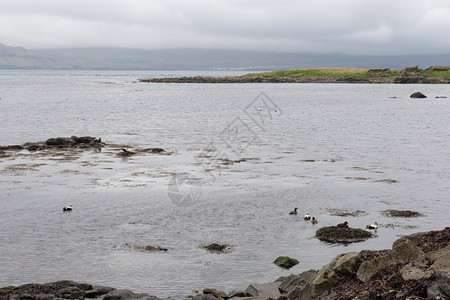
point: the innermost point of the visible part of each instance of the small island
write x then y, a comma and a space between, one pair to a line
414, 75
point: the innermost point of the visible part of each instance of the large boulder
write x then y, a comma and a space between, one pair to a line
292, 284
323, 280
264, 290
403, 251
334, 234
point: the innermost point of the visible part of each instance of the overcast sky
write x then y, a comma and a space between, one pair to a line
321, 26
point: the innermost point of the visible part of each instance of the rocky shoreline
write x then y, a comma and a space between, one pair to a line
417, 267
318, 79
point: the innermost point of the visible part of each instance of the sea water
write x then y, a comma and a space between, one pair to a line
238, 158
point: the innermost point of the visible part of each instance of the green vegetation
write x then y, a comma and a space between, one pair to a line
353, 73
430, 73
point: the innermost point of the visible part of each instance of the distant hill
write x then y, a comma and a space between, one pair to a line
199, 59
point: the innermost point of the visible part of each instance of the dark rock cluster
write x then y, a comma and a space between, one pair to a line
342, 234
68, 290
84, 142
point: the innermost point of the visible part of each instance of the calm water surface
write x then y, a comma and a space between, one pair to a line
326, 146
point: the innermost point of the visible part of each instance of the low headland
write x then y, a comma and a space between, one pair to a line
414, 75
417, 267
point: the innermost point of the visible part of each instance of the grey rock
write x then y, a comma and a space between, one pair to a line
417, 95
264, 290
443, 281
433, 290
45, 297
237, 294
292, 282
205, 297
215, 292
71, 292
124, 294
403, 251
98, 291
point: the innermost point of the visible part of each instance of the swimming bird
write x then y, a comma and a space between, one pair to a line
307, 217
68, 208
343, 225
314, 221
294, 212
372, 226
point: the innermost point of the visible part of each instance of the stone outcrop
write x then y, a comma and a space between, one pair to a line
264, 290
69, 290
335, 234
417, 266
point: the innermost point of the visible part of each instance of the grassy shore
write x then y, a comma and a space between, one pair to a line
412, 75
354, 73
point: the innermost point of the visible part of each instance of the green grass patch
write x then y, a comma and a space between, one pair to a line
326, 72
445, 74
346, 72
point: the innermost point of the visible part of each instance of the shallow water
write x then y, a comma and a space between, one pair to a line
326, 146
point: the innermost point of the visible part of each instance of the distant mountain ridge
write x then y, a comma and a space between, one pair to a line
199, 59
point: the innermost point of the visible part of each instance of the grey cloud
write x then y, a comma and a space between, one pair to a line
346, 26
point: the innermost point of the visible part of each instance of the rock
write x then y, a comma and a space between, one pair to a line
60, 142
215, 292
295, 282
323, 280
403, 251
405, 80
98, 291
71, 292
412, 69
217, 248
334, 234
45, 297
417, 95
401, 213
438, 68
12, 147
412, 272
285, 262
443, 282
205, 297
237, 294
154, 150
441, 259
124, 294
145, 248
264, 290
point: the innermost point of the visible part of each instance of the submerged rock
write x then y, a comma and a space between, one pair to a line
401, 213
335, 234
217, 248
285, 262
